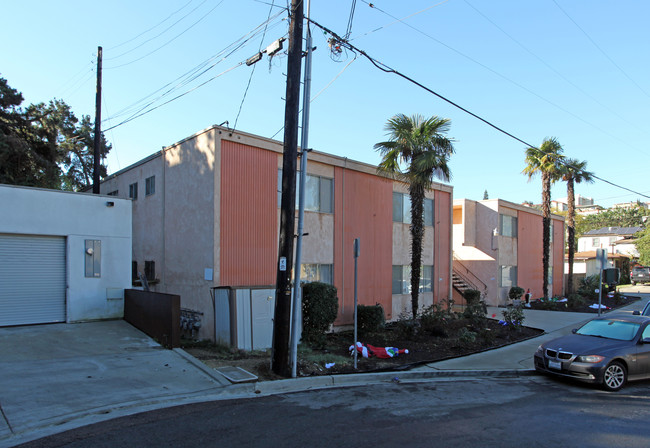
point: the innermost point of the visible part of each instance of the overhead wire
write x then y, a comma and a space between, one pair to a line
171, 40
150, 29
601, 50
157, 35
502, 76
137, 110
385, 68
349, 28
547, 65
250, 78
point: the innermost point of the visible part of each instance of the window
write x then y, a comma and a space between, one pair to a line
402, 209
550, 275
319, 193
508, 225
150, 270
134, 271
112, 193
508, 276
595, 242
402, 279
316, 273
133, 191
150, 186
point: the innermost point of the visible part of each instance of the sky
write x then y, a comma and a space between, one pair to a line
576, 70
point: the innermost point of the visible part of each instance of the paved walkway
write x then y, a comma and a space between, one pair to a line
62, 376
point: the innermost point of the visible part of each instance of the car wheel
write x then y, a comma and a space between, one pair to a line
615, 376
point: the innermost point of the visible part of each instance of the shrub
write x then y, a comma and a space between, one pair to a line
588, 286
466, 336
576, 301
434, 320
405, 326
319, 309
513, 317
370, 318
516, 292
546, 304
476, 308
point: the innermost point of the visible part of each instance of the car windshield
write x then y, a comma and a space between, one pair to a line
610, 329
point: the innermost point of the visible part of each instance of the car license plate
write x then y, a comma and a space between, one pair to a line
555, 365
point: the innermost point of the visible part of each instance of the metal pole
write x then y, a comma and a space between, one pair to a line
282, 316
297, 289
356, 258
98, 123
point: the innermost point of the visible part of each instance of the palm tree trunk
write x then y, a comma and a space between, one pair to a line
571, 224
416, 191
546, 231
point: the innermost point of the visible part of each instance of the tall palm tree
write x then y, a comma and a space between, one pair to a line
573, 172
545, 160
416, 151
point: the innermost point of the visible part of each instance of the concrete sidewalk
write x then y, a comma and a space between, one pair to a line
63, 376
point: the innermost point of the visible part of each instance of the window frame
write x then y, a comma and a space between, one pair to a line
133, 191
513, 224
150, 186
511, 282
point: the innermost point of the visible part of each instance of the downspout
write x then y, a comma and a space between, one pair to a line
164, 187
451, 244
345, 166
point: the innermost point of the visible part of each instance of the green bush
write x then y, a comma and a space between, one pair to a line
476, 308
514, 317
576, 301
405, 326
546, 304
434, 319
320, 307
370, 318
466, 336
516, 292
588, 286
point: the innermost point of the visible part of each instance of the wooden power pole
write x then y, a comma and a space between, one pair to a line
98, 123
282, 319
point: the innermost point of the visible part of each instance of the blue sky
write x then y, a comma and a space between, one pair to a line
576, 70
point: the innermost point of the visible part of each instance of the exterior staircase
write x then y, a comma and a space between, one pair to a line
463, 279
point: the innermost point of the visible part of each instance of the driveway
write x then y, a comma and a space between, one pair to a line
61, 376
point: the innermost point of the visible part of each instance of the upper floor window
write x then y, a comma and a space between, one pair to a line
150, 186
319, 192
112, 193
508, 225
402, 209
507, 276
595, 242
133, 191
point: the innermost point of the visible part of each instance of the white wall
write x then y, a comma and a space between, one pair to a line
78, 217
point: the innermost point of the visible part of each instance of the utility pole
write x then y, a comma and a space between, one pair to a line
296, 315
98, 122
282, 318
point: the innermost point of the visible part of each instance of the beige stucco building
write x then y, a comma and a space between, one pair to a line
498, 244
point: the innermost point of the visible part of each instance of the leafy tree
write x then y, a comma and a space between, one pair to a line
643, 246
573, 172
545, 161
485, 195
420, 145
613, 217
45, 145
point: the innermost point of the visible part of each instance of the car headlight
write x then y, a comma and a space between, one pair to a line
592, 359
540, 349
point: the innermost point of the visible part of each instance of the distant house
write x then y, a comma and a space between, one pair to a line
585, 264
498, 244
617, 240
206, 215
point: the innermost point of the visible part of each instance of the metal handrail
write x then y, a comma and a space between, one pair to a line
464, 278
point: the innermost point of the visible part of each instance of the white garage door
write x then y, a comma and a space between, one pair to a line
32, 279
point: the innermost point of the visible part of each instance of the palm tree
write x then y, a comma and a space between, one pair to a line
416, 152
545, 160
573, 172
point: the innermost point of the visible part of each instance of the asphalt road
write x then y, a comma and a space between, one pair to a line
528, 411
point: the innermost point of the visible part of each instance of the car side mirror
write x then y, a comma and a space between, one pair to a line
636, 313
574, 331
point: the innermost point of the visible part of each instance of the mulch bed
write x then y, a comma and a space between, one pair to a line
426, 346
610, 302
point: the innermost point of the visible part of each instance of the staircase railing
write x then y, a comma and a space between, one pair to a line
468, 277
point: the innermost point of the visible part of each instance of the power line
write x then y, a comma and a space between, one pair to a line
349, 29
601, 50
383, 67
153, 27
172, 39
157, 35
557, 106
557, 72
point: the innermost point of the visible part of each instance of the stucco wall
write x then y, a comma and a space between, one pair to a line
78, 217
